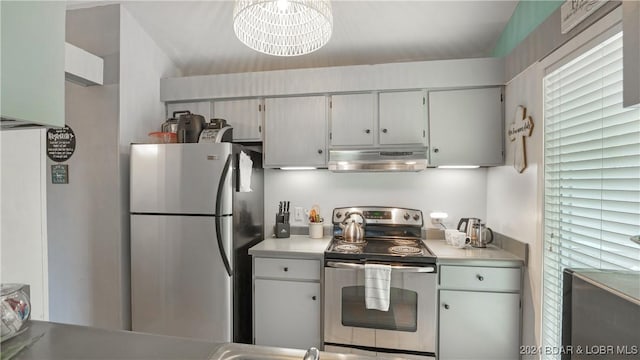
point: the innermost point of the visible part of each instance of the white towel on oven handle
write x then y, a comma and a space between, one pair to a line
377, 282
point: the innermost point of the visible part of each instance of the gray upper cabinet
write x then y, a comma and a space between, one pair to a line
295, 131
352, 120
245, 116
197, 107
33, 62
402, 118
466, 127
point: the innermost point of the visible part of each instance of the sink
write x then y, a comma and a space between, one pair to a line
233, 351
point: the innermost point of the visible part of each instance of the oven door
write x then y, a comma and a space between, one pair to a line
410, 323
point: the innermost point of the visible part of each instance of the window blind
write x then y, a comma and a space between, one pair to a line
592, 175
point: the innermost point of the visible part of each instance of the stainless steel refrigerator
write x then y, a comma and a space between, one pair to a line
191, 229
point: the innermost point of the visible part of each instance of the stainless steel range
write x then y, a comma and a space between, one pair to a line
392, 236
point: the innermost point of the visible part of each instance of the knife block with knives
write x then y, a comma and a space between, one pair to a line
283, 229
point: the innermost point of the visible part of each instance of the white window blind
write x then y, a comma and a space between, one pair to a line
592, 175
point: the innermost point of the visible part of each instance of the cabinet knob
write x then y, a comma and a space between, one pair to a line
319, 151
446, 306
286, 269
313, 298
367, 131
384, 131
436, 150
480, 277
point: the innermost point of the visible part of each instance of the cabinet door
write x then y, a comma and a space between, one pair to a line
244, 115
352, 119
403, 119
466, 127
295, 131
287, 313
32, 86
479, 325
197, 107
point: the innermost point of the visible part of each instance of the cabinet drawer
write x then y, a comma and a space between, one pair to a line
287, 268
480, 278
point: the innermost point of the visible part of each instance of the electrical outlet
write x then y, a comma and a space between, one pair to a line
298, 214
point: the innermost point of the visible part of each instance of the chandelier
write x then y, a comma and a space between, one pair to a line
283, 27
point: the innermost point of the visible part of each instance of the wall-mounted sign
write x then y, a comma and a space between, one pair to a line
61, 143
522, 126
59, 174
573, 12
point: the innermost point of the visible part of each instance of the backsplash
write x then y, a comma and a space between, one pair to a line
459, 192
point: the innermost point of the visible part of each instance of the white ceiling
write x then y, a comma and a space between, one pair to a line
199, 37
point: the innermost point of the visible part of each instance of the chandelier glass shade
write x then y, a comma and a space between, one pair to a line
283, 27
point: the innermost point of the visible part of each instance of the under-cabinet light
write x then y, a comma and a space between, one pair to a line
297, 168
459, 167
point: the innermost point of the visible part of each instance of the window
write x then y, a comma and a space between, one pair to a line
592, 174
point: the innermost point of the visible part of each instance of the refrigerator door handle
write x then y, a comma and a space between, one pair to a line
223, 177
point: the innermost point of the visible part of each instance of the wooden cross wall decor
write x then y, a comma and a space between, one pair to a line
522, 126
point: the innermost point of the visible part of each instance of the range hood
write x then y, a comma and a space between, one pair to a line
380, 160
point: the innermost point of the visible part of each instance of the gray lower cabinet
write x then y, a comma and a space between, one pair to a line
479, 316
286, 303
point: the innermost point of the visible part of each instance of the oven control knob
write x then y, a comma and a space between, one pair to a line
407, 216
338, 215
416, 217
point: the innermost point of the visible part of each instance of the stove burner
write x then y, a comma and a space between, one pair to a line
404, 242
348, 248
405, 250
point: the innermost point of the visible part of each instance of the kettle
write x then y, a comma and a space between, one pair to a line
468, 225
478, 235
352, 231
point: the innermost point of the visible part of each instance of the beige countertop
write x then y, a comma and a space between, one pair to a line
296, 246
489, 256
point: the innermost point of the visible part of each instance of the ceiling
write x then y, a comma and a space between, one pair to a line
198, 35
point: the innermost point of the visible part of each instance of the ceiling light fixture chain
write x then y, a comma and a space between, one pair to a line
283, 27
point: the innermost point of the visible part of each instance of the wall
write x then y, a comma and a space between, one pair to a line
525, 18
83, 227
459, 192
23, 240
513, 199
89, 218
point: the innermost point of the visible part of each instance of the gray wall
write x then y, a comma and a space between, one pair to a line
84, 226
88, 220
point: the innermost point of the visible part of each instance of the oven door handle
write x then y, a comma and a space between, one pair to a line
407, 269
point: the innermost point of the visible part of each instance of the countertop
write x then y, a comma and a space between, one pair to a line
489, 256
621, 282
62, 341
302, 246
296, 246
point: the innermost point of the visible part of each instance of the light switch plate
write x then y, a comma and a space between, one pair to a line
298, 214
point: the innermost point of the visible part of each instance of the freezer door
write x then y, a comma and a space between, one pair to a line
180, 178
179, 285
